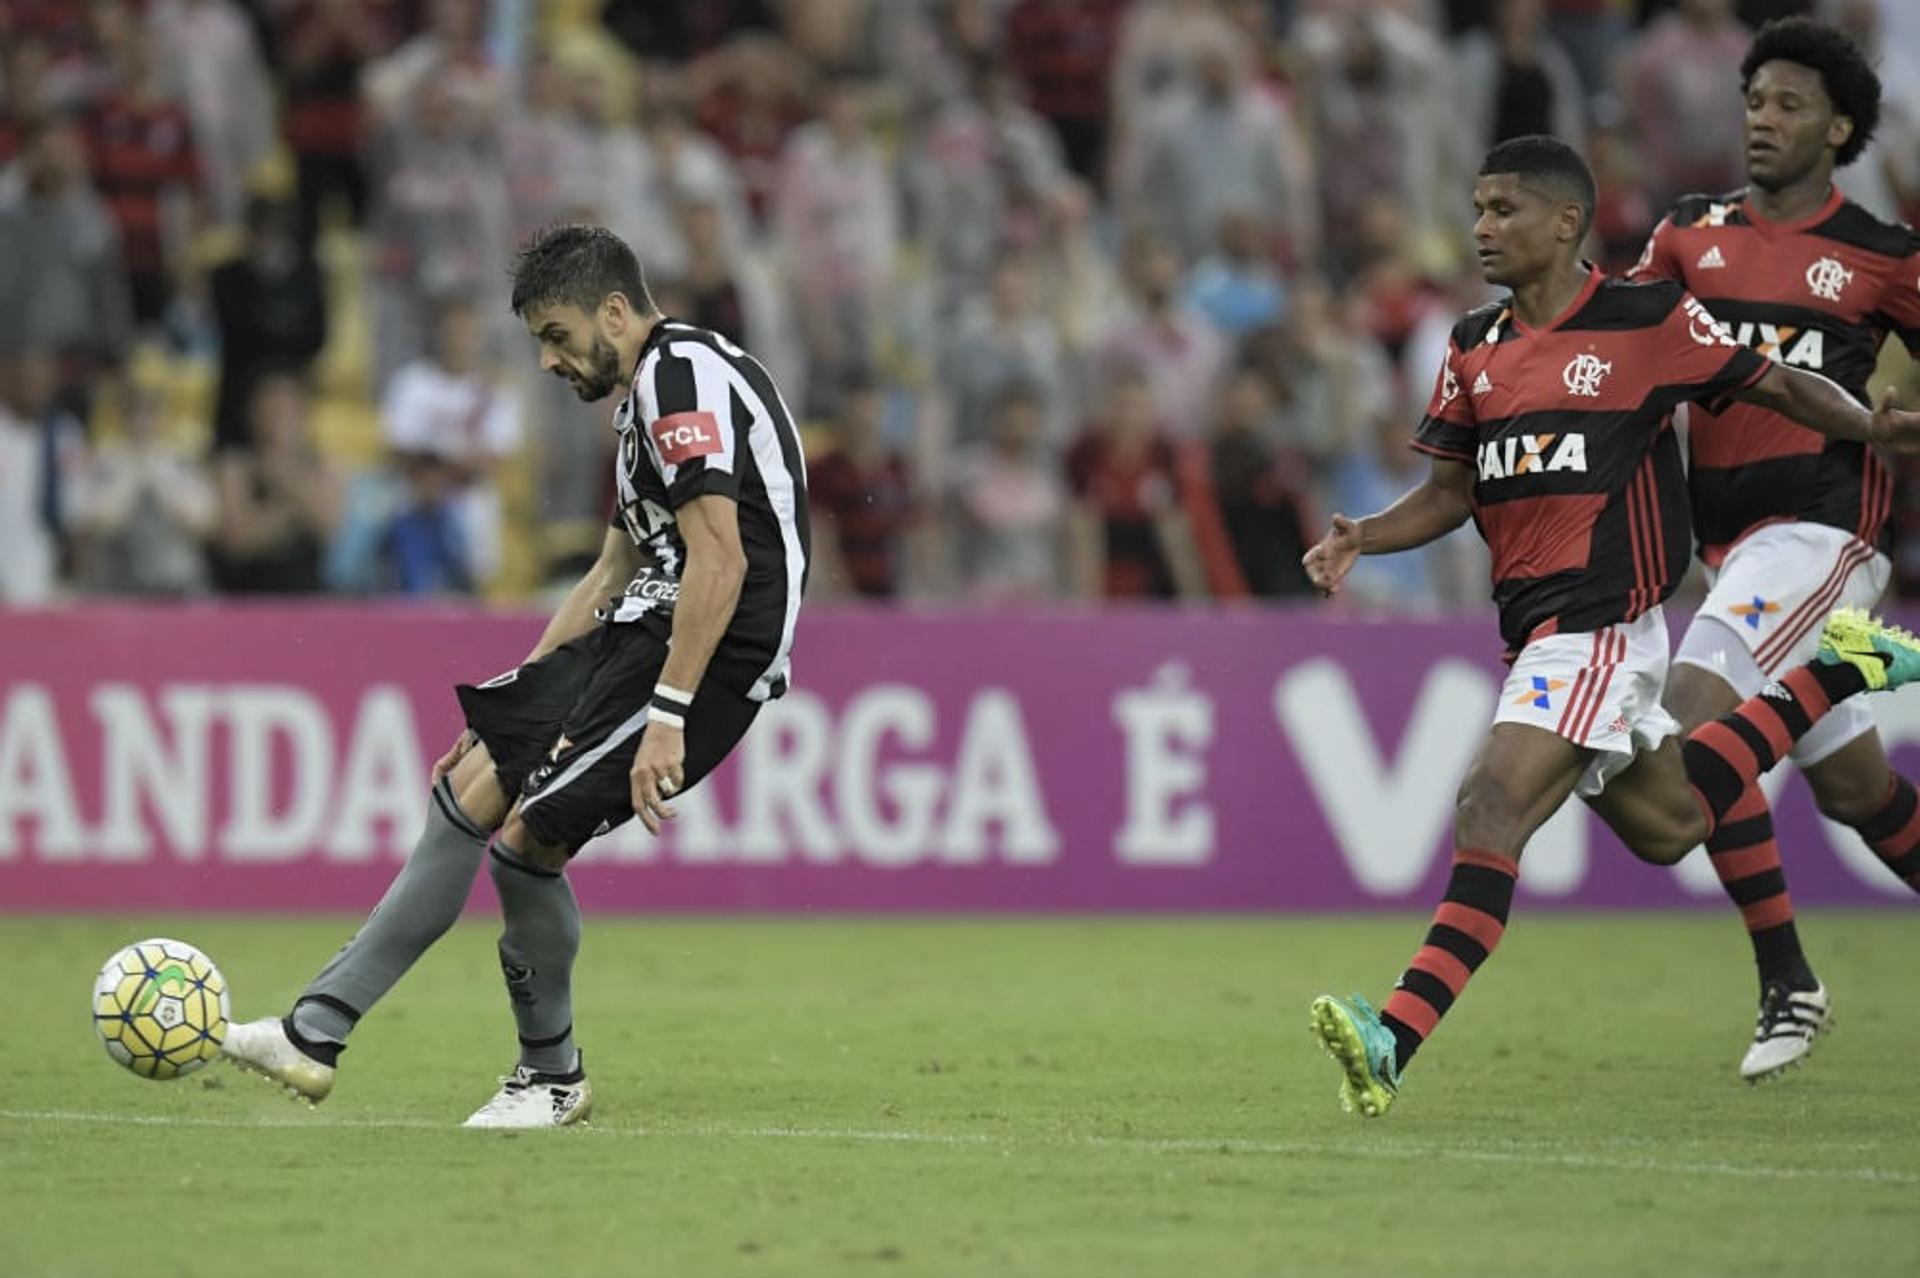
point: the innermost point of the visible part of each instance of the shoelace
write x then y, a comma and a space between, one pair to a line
1780, 1016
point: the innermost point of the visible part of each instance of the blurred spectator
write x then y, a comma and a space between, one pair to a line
209, 46
1260, 490
1329, 377
681, 166
60, 264
544, 147
146, 165
272, 312
1217, 145
999, 341
1886, 177
1682, 81
1063, 50
449, 427
835, 219
439, 220
1381, 90
452, 53
610, 153
935, 48
146, 511
750, 98
1514, 80
1131, 533
1622, 213
424, 549
25, 94
984, 173
865, 502
1159, 43
1592, 33
1376, 471
1075, 276
713, 294
1237, 286
1009, 506
30, 565
279, 501
1390, 295
30, 383
1167, 339
326, 45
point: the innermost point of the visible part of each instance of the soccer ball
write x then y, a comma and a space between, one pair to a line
160, 1008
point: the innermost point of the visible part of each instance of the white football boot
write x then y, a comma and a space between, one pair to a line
1783, 1034
527, 1099
262, 1047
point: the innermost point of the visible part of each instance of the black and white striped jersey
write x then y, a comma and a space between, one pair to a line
703, 416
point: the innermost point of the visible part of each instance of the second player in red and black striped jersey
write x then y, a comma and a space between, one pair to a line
1579, 490
1821, 294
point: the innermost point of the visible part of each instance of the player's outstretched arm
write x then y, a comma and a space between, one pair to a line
709, 591
1819, 404
1442, 502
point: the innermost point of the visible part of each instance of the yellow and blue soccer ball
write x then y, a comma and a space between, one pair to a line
160, 1007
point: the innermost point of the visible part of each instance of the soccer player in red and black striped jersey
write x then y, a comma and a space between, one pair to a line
1790, 522
1551, 428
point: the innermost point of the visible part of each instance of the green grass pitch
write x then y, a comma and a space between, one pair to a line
906, 1097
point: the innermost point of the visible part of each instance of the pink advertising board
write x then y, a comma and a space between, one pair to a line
275, 758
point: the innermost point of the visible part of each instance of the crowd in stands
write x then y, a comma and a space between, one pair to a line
1077, 299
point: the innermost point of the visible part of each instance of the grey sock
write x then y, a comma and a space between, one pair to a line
422, 903
537, 948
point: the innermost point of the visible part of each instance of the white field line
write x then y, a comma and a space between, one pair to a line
1506, 1155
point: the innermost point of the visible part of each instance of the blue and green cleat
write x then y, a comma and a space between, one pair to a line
1351, 1032
1885, 655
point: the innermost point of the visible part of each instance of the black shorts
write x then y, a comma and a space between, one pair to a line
563, 730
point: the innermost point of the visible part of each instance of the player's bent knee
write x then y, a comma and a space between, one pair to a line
531, 848
1850, 799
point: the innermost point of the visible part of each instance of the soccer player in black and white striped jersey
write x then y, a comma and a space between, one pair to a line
647, 675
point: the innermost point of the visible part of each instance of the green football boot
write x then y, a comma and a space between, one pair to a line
1351, 1032
1885, 655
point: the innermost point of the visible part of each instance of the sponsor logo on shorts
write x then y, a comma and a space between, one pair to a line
1540, 694
682, 437
1752, 612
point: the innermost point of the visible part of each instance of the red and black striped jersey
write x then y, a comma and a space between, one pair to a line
1821, 294
1579, 490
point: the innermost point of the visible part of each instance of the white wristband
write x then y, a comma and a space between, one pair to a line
667, 692
656, 715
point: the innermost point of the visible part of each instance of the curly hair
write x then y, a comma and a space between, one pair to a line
1850, 79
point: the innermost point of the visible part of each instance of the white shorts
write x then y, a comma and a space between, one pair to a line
1764, 611
1600, 690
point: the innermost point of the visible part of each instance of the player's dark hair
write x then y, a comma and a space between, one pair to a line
1843, 68
576, 265
1548, 161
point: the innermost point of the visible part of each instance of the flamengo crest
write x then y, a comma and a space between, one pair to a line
1827, 277
1583, 373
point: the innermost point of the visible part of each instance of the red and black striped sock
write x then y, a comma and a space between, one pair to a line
1747, 860
1894, 831
1726, 756
1466, 927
